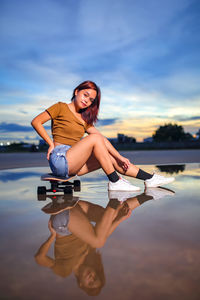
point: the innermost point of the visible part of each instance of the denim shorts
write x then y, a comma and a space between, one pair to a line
60, 222
58, 162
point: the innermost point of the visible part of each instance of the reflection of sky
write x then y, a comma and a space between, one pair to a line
158, 246
10, 176
143, 54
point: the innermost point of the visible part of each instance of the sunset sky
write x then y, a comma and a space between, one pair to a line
144, 55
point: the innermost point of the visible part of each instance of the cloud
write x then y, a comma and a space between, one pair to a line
77, 33
105, 122
11, 176
14, 127
192, 118
62, 43
179, 84
143, 54
23, 112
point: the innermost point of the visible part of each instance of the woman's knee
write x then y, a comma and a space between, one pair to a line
80, 172
96, 138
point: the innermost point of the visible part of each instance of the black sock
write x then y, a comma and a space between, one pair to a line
113, 177
143, 198
143, 175
113, 203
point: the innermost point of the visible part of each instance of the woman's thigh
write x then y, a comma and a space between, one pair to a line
78, 154
91, 165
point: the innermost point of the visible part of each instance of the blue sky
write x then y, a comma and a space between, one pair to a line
144, 55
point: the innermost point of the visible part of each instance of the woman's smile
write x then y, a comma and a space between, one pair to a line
84, 103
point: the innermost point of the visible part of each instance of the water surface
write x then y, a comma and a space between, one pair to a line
152, 254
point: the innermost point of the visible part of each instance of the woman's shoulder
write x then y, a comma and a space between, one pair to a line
58, 104
63, 105
57, 108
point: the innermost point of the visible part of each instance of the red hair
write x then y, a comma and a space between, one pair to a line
90, 113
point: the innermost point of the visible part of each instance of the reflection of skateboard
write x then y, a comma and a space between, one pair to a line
59, 203
58, 184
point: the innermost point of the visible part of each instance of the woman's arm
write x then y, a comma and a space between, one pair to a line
41, 255
123, 160
80, 226
123, 213
37, 124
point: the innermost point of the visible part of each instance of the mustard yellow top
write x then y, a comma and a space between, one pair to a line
66, 127
68, 252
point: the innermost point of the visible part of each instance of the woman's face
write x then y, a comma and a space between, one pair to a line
84, 98
89, 279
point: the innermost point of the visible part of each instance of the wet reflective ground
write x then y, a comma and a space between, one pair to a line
146, 248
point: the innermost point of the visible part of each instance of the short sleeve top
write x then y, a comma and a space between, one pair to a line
68, 252
66, 127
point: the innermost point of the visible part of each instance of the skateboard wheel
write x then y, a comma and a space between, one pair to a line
77, 189
77, 185
68, 190
41, 190
41, 197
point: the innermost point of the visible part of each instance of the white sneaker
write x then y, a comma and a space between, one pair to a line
158, 193
122, 185
121, 195
158, 180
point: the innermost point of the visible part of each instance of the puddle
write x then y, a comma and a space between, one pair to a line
151, 254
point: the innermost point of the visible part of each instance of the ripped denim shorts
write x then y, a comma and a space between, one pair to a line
60, 222
58, 162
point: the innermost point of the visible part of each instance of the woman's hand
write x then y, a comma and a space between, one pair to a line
123, 212
124, 163
49, 151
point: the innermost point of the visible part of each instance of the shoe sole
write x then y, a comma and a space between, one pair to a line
135, 190
162, 189
166, 182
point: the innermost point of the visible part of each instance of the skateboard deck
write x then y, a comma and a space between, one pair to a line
60, 203
51, 177
58, 184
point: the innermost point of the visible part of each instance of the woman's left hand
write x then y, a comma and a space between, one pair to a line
124, 163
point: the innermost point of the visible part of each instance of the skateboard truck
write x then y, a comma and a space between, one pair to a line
59, 203
58, 184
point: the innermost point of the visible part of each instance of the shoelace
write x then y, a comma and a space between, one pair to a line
159, 176
125, 180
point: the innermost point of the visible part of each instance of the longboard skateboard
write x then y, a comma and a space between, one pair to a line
58, 184
60, 203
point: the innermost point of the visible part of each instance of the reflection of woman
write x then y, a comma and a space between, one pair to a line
68, 154
74, 255
76, 240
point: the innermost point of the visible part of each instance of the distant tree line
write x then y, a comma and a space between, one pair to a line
171, 133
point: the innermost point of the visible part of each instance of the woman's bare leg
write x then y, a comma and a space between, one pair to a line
78, 155
83, 229
92, 164
97, 157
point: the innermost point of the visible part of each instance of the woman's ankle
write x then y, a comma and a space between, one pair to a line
113, 177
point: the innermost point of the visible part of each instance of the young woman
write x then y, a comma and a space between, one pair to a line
76, 240
77, 234
69, 153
